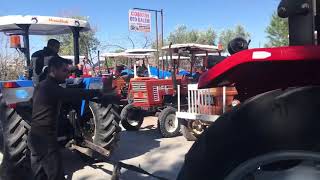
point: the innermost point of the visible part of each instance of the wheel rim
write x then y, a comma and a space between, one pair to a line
133, 122
196, 127
1, 158
134, 118
89, 126
171, 123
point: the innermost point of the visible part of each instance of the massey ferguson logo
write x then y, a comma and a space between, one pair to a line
34, 20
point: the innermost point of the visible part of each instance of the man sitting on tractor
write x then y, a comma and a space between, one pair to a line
40, 58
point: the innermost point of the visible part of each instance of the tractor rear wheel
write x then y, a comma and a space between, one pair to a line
274, 121
102, 126
169, 125
131, 118
15, 128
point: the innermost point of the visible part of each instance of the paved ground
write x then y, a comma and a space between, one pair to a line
161, 156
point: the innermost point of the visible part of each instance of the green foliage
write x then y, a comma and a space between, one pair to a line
111, 62
227, 35
278, 32
183, 35
88, 43
118, 51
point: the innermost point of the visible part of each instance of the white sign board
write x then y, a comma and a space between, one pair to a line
139, 21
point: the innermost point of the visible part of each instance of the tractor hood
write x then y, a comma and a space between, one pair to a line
266, 69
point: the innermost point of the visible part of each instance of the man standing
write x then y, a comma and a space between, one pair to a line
40, 59
46, 162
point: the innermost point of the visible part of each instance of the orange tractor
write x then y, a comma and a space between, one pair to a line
123, 73
155, 96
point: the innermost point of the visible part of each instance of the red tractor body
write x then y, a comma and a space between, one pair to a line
149, 93
255, 71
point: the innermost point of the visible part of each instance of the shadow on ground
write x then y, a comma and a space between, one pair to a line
158, 165
131, 145
135, 143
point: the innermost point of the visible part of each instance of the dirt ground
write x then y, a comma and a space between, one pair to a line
161, 156
145, 148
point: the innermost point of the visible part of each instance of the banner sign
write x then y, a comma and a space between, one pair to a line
139, 21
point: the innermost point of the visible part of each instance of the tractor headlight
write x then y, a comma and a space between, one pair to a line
21, 94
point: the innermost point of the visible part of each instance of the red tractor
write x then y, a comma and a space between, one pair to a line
274, 132
123, 73
152, 96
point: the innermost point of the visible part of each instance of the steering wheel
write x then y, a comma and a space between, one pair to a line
251, 165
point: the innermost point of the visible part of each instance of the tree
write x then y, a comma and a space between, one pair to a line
227, 35
110, 62
88, 42
11, 62
182, 35
136, 41
278, 32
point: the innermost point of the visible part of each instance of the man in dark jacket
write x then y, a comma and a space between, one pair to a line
40, 59
48, 95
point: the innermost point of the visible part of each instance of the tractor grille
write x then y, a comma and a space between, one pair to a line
139, 86
155, 92
140, 100
139, 89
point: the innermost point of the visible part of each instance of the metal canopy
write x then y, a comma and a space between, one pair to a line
128, 55
72, 57
112, 55
204, 55
41, 25
174, 58
193, 48
140, 51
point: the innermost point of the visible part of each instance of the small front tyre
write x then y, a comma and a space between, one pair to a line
131, 117
102, 126
169, 125
192, 129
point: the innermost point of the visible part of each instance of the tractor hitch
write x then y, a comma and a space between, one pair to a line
84, 144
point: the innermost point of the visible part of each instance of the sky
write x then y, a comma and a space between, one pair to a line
110, 18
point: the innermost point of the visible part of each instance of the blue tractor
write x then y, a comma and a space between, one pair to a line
93, 125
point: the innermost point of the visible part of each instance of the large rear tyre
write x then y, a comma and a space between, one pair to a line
16, 157
278, 120
169, 125
102, 128
131, 118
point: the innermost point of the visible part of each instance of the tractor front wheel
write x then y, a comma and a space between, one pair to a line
169, 125
131, 117
102, 126
192, 129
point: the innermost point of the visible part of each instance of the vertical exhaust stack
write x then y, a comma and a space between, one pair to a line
301, 17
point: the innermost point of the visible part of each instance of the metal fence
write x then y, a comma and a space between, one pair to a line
202, 101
